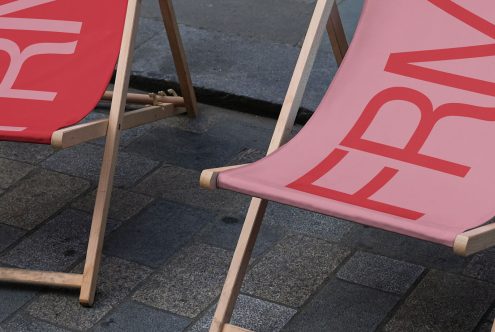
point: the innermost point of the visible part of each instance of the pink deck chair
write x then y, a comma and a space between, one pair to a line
402, 140
57, 59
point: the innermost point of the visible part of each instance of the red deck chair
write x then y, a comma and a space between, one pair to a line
402, 140
57, 59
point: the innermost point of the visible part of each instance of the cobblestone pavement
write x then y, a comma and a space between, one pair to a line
238, 49
169, 244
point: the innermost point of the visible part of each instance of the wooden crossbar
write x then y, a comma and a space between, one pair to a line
147, 99
234, 328
70, 136
58, 279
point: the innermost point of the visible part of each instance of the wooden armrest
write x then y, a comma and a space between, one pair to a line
475, 240
208, 179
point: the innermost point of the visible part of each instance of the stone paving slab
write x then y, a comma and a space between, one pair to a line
405, 248
482, 267
293, 270
124, 205
182, 185
251, 313
12, 171
133, 316
117, 279
164, 228
25, 323
380, 272
29, 153
37, 197
189, 282
344, 307
13, 298
444, 302
56, 246
84, 161
9, 235
224, 233
306, 222
185, 149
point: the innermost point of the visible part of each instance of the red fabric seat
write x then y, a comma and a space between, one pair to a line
56, 59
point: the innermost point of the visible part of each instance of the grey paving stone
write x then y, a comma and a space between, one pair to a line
491, 315
116, 281
306, 222
380, 272
124, 205
189, 282
291, 271
443, 302
250, 68
344, 307
253, 314
485, 327
266, 20
224, 233
12, 171
182, 185
84, 161
153, 237
481, 266
243, 135
133, 316
13, 297
26, 152
9, 235
247, 156
405, 248
184, 149
207, 117
25, 323
55, 246
37, 197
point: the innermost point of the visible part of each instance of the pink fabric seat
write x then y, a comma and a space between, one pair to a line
404, 138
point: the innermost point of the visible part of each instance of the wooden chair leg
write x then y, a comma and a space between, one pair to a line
177, 48
239, 264
336, 33
95, 245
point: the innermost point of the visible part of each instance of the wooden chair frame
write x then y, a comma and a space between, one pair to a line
159, 107
326, 12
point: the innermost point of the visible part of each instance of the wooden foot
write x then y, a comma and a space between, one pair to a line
239, 265
43, 278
